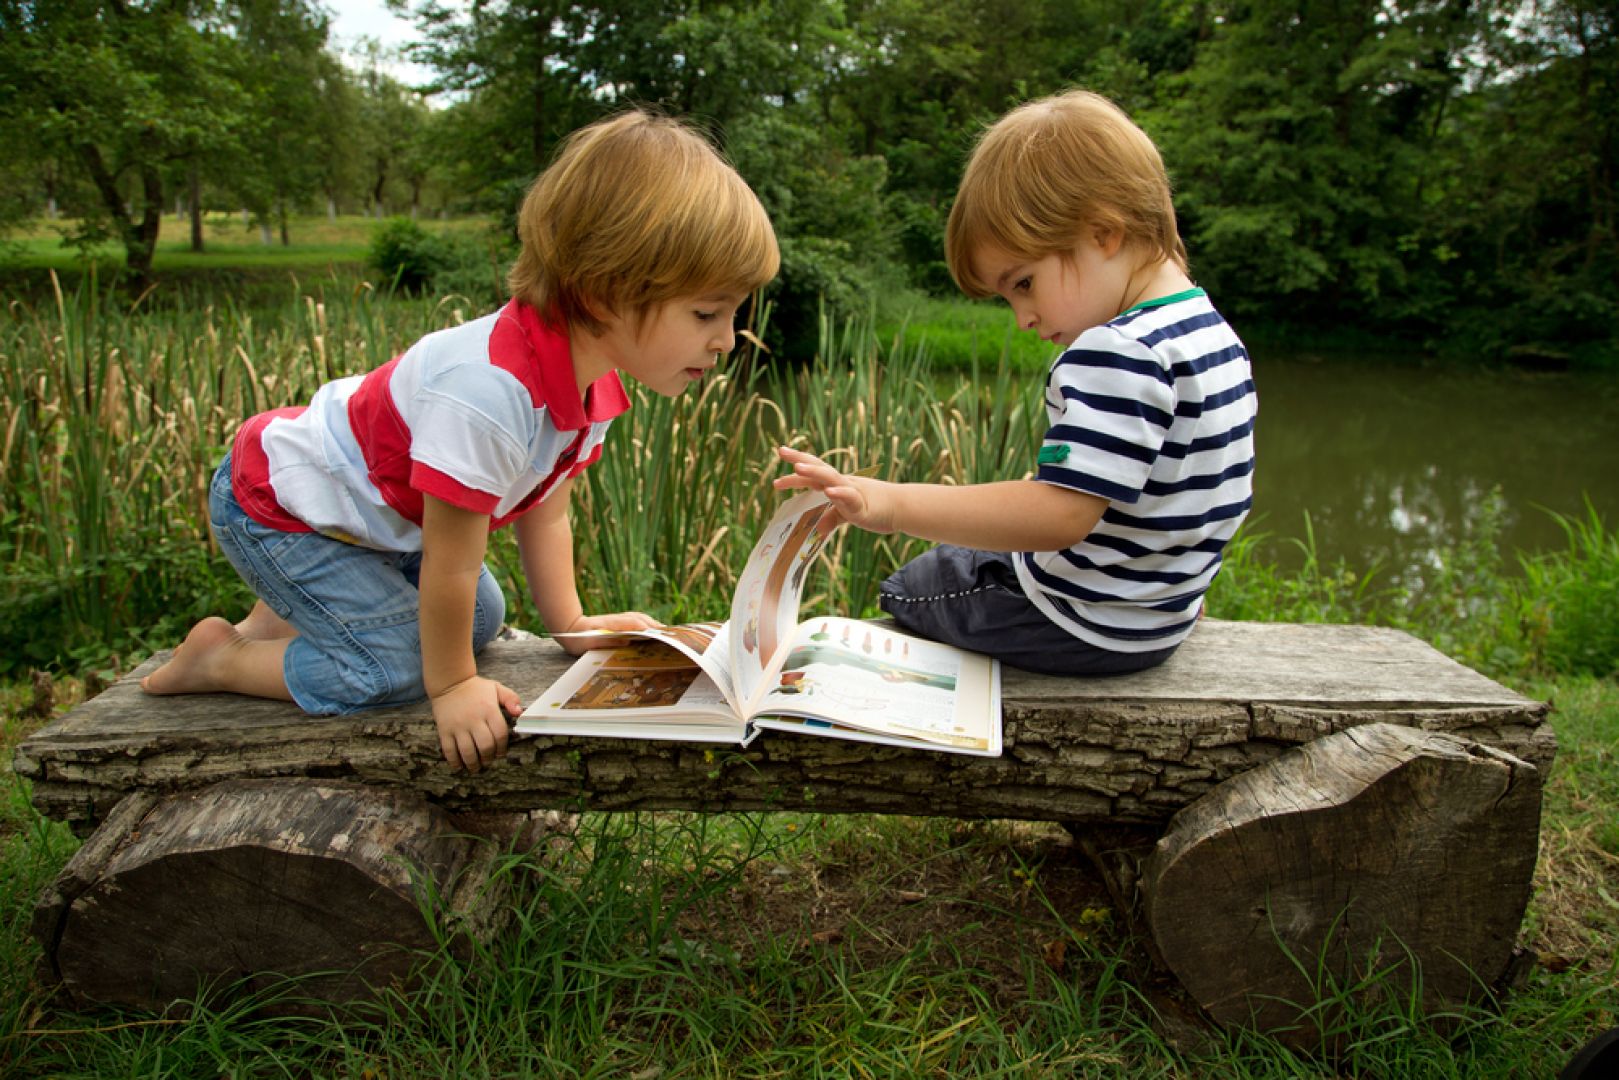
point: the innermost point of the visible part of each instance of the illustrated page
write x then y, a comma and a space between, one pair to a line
764, 610
647, 684
707, 644
878, 680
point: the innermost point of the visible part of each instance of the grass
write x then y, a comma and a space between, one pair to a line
738, 945
957, 333
317, 242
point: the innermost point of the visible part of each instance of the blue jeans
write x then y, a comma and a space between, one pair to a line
972, 599
356, 610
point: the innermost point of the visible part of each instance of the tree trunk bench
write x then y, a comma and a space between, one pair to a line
1461, 783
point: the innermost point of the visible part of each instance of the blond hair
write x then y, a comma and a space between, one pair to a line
635, 210
1049, 171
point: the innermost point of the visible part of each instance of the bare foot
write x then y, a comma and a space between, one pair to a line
263, 624
194, 667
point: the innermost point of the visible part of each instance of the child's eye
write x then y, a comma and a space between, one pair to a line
705, 316
1022, 284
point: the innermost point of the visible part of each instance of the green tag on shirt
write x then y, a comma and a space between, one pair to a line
1050, 455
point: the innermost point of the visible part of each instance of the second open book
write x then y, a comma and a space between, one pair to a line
764, 670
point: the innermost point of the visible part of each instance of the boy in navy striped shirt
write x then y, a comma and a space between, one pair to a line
1098, 564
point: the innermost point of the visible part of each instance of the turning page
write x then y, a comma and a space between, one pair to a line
764, 609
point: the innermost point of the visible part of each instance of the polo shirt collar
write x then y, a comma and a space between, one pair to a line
553, 362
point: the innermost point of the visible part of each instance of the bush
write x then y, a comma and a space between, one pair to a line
407, 255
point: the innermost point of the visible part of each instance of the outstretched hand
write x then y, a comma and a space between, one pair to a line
857, 500
620, 620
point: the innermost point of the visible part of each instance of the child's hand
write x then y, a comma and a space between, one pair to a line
471, 721
622, 620
857, 500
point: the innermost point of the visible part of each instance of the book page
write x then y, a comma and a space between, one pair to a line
643, 690
764, 609
873, 679
706, 643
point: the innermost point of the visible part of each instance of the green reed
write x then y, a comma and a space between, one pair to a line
112, 418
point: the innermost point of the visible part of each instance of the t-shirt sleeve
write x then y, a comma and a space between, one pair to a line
1112, 403
470, 436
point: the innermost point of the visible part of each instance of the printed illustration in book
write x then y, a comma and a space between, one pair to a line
764, 670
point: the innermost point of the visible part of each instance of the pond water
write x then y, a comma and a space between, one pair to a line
1392, 460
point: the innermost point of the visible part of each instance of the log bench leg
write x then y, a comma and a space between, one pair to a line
1378, 849
336, 884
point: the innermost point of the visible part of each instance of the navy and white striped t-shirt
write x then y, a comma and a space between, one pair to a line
1154, 412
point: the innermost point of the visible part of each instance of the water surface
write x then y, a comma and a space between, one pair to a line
1390, 460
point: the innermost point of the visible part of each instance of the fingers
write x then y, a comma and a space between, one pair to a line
509, 700
473, 728
473, 748
813, 473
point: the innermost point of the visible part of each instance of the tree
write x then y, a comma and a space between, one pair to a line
298, 106
390, 117
1299, 137
124, 89
512, 58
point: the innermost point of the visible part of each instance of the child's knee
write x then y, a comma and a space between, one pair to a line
342, 681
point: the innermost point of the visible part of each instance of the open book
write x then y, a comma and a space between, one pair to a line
764, 670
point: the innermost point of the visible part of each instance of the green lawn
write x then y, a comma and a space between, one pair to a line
228, 244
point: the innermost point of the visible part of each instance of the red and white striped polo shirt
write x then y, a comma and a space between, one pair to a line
485, 416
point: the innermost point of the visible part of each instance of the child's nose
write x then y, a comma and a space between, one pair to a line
725, 340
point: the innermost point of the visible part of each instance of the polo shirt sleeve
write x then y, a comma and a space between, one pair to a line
1111, 402
470, 437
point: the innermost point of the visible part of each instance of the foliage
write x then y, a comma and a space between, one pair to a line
408, 256
1438, 171
121, 90
1553, 618
1571, 598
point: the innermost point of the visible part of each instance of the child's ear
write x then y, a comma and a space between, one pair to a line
1110, 238
603, 313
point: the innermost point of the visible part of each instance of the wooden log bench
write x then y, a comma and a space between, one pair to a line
1334, 793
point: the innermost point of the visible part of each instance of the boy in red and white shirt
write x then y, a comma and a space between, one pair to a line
361, 520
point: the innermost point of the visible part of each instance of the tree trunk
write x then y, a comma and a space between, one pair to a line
139, 237
1380, 864
195, 181
246, 882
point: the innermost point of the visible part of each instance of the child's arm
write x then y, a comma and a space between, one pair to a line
468, 709
1009, 515
545, 541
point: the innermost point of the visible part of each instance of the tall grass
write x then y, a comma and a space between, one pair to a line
111, 421
112, 417
1554, 617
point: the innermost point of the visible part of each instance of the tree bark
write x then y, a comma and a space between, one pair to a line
1128, 750
1375, 866
245, 883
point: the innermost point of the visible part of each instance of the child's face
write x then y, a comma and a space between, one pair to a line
1060, 297
677, 342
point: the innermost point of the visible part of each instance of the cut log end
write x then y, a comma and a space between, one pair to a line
344, 889
1379, 859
